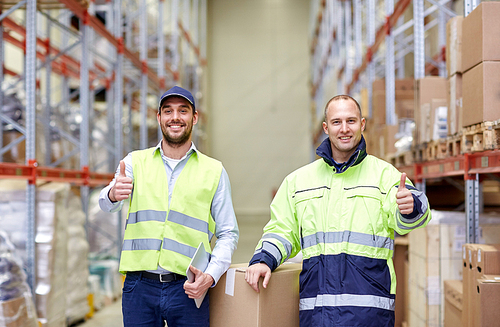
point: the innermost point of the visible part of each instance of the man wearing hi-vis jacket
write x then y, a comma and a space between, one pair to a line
341, 211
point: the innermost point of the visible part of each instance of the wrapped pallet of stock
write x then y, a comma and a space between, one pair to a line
16, 304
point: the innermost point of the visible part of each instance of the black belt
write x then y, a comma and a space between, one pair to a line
165, 278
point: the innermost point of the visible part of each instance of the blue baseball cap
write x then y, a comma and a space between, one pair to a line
178, 92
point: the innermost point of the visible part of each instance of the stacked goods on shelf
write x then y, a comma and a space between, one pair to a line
454, 68
430, 98
77, 306
435, 255
51, 238
480, 306
381, 138
453, 298
481, 64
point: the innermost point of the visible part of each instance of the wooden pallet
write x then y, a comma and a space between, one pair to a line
401, 159
436, 149
454, 144
480, 137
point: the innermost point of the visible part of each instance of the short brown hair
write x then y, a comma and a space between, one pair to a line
343, 97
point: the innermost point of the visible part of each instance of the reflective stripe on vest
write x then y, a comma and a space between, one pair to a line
157, 234
354, 300
350, 237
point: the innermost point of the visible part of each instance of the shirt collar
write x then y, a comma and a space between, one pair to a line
188, 153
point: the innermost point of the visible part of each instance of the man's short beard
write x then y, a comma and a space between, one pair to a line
177, 143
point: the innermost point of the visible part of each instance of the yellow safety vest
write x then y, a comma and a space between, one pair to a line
157, 234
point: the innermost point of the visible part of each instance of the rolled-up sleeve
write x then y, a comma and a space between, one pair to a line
226, 229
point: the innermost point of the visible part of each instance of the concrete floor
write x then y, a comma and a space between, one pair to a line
250, 233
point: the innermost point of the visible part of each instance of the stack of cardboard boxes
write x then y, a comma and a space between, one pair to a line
454, 68
381, 138
436, 256
430, 107
481, 285
481, 64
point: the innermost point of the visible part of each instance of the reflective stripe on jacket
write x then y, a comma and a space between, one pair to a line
344, 225
150, 239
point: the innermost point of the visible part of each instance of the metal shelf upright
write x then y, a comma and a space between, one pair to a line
93, 57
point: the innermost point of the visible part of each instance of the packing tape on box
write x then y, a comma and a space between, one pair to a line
230, 278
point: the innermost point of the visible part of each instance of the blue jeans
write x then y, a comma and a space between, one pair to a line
146, 302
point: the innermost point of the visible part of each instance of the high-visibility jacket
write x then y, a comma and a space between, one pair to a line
159, 234
343, 220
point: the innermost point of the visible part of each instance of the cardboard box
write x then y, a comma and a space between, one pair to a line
488, 301
486, 261
454, 45
480, 35
481, 98
234, 303
388, 140
479, 259
400, 261
453, 293
467, 282
404, 93
426, 89
18, 312
455, 122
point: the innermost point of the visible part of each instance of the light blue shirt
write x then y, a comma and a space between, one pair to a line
226, 226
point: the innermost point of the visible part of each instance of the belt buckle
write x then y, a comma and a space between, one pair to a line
167, 278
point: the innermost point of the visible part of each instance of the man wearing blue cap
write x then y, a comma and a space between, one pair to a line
179, 198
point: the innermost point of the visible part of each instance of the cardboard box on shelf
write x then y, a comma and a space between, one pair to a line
426, 89
487, 302
454, 45
388, 140
453, 293
481, 99
404, 93
234, 303
480, 35
455, 104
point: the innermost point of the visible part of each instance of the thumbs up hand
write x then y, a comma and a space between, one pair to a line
123, 186
404, 199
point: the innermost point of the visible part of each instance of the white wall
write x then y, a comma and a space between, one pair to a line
258, 95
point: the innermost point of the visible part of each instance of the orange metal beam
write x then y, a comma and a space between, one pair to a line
399, 8
189, 40
31, 172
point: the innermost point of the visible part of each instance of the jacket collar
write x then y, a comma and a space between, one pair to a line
325, 151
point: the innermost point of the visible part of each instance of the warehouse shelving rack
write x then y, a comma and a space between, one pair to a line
342, 57
135, 55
